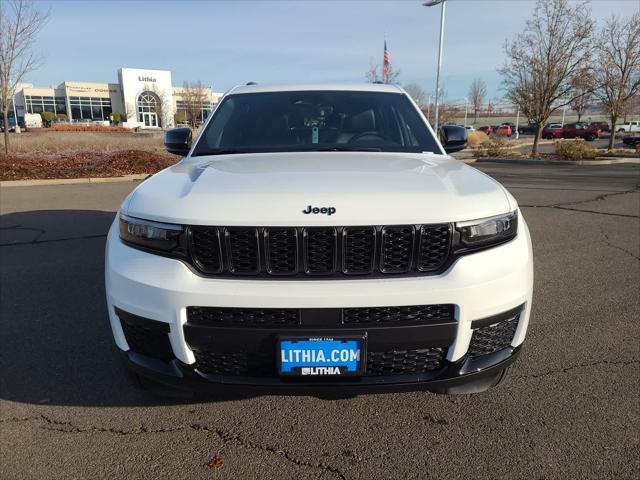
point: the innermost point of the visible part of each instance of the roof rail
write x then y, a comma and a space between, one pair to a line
251, 83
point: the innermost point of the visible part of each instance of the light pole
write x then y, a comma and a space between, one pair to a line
466, 110
429, 110
442, 11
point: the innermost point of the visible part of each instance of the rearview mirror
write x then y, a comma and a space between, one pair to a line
178, 141
453, 138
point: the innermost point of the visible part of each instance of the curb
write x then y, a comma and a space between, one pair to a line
71, 181
533, 161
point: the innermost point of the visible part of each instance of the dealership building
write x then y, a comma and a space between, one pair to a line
144, 98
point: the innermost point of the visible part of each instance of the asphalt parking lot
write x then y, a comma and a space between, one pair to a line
569, 409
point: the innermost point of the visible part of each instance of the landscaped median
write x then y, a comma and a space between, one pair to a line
571, 152
82, 155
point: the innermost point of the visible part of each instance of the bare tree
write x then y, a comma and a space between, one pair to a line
490, 108
374, 74
195, 97
617, 69
416, 92
447, 113
584, 89
544, 61
20, 23
477, 94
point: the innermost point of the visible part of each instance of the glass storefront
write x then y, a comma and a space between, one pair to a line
91, 108
181, 110
37, 104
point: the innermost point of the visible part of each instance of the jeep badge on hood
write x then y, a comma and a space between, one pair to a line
326, 210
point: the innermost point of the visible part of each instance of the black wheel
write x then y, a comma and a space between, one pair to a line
620, 130
590, 138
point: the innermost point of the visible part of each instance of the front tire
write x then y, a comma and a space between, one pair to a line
590, 138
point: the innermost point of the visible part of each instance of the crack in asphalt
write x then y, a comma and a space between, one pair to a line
578, 365
602, 196
226, 437
234, 438
608, 243
40, 232
53, 240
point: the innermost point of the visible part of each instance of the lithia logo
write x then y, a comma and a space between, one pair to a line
146, 79
324, 210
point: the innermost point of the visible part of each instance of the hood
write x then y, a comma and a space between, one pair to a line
274, 189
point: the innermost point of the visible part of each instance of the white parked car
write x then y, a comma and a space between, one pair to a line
319, 231
628, 127
470, 128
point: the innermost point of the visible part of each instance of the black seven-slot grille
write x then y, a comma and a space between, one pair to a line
320, 251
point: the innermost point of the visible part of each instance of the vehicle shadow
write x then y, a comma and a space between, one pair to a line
57, 346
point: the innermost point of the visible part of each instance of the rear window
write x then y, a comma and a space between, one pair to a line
316, 121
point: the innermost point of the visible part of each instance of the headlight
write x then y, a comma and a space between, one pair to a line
488, 231
164, 237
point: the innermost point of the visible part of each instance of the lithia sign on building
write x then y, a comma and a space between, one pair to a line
142, 78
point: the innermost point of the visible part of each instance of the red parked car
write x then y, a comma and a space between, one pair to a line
505, 130
486, 129
581, 130
603, 126
552, 130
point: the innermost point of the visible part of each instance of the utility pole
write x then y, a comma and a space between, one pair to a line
517, 123
442, 12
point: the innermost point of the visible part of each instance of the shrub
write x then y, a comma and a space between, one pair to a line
575, 150
477, 138
180, 118
117, 118
62, 116
495, 147
47, 118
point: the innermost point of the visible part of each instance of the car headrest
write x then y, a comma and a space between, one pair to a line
363, 122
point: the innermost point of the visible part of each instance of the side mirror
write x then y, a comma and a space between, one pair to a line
178, 141
453, 138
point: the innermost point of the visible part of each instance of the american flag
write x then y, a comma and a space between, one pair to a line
386, 64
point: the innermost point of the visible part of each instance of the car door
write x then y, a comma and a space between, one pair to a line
569, 131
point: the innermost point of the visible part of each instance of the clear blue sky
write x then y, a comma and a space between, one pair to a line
223, 43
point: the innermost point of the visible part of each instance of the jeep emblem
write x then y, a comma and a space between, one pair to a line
324, 210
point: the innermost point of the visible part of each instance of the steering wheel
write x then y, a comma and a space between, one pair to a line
362, 135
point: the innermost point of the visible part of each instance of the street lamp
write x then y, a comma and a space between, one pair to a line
466, 109
433, 3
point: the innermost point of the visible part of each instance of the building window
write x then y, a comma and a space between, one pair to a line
149, 109
91, 108
181, 110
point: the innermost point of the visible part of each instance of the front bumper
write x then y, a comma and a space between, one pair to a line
481, 286
464, 376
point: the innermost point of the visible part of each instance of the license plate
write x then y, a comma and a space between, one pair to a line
322, 356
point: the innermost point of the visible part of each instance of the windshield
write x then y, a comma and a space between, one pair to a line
316, 121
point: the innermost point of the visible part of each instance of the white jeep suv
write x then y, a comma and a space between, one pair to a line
319, 238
